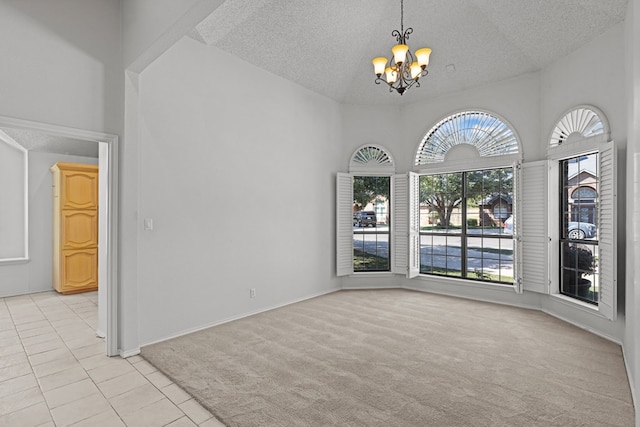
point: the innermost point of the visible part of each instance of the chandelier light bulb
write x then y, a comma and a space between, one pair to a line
422, 56
379, 65
392, 75
416, 70
400, 53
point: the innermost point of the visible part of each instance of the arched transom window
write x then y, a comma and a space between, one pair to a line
371, 158
490, 135
582, 122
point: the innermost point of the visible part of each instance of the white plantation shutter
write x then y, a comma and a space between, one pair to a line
400, 224
530, 227
607, 233
414, 225
406, 225
515, 218
344, 224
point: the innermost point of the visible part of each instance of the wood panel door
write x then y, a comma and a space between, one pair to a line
75, 231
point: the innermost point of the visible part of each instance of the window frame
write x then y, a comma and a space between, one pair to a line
563, 220
377, 232
468, 160
366, 160
23, 255
608, 279
577, 141
464, 236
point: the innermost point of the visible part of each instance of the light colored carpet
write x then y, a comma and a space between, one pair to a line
400, 358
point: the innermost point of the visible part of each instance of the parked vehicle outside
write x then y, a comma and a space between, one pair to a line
576, 230
508, 225
581, 230
364, 219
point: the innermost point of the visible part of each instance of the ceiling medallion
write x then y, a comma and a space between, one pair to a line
404, 69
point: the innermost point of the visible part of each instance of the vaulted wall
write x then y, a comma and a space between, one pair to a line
238, 177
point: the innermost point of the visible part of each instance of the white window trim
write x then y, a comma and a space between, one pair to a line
344, 226
555, 155
470, 166
383, 165
24, 256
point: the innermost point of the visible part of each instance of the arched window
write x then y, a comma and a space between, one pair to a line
489, 134
584, 193
581, 225
371, 159
365, 210
466, 197
582, 122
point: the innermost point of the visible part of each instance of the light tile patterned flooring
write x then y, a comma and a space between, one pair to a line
54, 372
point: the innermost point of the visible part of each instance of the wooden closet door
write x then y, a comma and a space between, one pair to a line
75, 248
79, 189
79, 270
79, 229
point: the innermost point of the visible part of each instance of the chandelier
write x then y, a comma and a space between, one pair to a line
403, 69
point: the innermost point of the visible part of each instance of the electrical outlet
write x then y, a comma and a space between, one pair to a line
252, 293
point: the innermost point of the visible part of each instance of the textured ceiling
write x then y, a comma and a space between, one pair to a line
332, 42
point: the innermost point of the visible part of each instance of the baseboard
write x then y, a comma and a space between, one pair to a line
583, 327
241, 316
369, 288
129, 353
631, 380
471, 297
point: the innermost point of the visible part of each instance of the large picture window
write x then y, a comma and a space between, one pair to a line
466, 225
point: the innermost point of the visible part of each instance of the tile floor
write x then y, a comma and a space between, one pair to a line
53, 371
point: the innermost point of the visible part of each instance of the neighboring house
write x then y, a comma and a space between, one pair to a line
495, 210
582, 197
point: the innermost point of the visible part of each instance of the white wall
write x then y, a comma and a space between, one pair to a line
35, 275
62, 63
151, 26
632, 330
593, 74
238, 177
531, 104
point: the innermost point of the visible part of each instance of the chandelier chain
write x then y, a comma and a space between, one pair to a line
402, 16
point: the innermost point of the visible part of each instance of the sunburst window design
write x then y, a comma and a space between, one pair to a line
371, 157
584, 121
487, 133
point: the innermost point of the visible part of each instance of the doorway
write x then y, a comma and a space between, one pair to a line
52, 137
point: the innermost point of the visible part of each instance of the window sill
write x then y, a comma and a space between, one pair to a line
572, 302
10, 261
466, 283
372, 274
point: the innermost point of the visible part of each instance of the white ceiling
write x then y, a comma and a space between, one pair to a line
331, 42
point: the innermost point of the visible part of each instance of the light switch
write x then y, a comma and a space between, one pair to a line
148, 224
